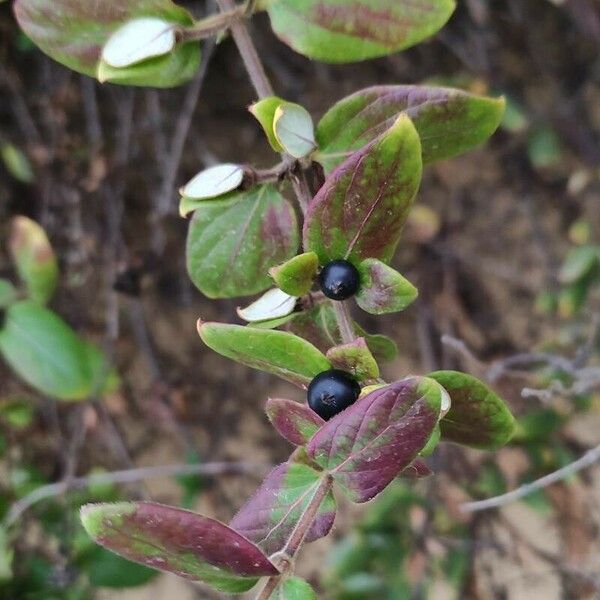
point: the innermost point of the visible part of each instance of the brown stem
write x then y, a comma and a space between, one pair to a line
211, 25
252, 61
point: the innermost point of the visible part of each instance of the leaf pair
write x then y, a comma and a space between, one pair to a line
134, 42
46, 353
37, 344
382, 289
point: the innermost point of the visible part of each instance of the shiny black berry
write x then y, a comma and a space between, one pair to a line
331, 392
339, 280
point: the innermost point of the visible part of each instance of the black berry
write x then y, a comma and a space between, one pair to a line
339, 280
331, 392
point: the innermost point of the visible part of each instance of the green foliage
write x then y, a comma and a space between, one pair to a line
449, 122
279, 352
46, 353
296, 276
341, 31
477, 416
75, 33
293, 588
244, 234
383, 289
17, 163
34, 258
234, 241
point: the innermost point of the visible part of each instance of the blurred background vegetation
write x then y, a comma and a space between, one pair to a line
504, 245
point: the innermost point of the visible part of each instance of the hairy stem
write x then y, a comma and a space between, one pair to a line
299, 533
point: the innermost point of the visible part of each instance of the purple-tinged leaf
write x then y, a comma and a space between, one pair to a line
343, 31
370, 443
383, 289
234, 240
296, 422
359, 211
178, 541
279, 352
33, 258
270, 516
73, 32
356, 358
448, 121
418, 469
477, 416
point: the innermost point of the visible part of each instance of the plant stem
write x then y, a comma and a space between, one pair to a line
344, 321
299, 533
252, 61
212, 25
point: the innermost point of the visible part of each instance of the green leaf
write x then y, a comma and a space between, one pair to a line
74, 33
8, 293
544, 148
17, 163
477, 416
382, 289
16, 412
341, 31
178, 541
279, 352
233, 242
294, 129
359, 211
269, 518
579, 262
34, 258
449, 121
296, 276
264, 113
355, 358
293, 588
109, 570
45, 352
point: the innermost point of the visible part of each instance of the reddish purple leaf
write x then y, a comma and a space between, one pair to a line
296, 422
269, 517
178, 541
369, 444
359, 211
448, 121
